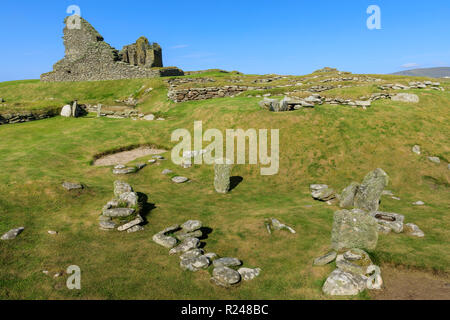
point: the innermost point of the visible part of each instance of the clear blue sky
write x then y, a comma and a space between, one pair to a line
264, 36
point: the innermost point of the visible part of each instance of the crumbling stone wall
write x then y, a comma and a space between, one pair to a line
88, 57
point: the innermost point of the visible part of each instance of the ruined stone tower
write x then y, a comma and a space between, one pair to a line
88, 57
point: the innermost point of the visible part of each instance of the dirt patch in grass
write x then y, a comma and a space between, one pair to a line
125, 157
406, 284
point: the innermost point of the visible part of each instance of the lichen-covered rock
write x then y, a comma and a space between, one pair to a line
131, 224
347, 198
191, 225
325, 259
369, 192
406, 97
107, 225
413, 230
248, 274
69, 186
354, 261
121, 187
130, 198
180, 179
186, 245
341, 283
191, 254
164, 240
227, 262
435, 160
394, 221
374, 280
135, 229
195, 234
222, 175
225, 277
354, 229
125, 170
12, 234
322, 192
196, 263
119, 212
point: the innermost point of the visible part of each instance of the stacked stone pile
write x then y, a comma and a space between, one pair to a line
123, 211
412, 85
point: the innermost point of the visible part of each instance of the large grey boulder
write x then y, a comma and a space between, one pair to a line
413, 230
341, 283
369, 192
347, 198
195, 263
406, 97
12, 234
66, 111
354, 229
130, 198
222, 175
225, 277
180, 180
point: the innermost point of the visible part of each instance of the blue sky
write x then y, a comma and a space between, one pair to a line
265, 36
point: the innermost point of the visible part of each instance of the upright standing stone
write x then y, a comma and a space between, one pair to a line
369, 192
99, 110
222, 175
354, 229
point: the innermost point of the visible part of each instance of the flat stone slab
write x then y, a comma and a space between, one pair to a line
413, 230
131, 224
107, 225
69, 186
341, 283
186, 245
191, 225
12, 234
180, 179
165, 241
126, 170
119, 212
196, 263
135, 229
325, 259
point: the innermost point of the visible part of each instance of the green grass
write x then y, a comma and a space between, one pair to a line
329, 144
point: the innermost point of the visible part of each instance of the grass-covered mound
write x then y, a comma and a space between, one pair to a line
328, 144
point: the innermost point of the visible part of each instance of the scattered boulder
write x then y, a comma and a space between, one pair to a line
369, 192
167, 172
354, 229
121, 169
179, 180
66, 111
149, 117
248, 274
12, 234
325, 259
406, 97
413, 230
225, 277
347, 198
435, 160
196, 263
419, 203
222, 175
416, 150
322, 192
69, 186
164, 240
275, 224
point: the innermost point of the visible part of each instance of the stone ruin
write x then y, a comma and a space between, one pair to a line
89, 58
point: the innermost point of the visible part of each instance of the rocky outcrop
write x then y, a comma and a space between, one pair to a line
12, 118
88, 57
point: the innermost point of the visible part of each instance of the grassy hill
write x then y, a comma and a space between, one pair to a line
328, 144
426, 72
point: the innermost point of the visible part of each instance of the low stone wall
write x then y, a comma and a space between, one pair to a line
11, 118
181, 95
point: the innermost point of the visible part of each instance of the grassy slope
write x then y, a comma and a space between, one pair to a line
329, 144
